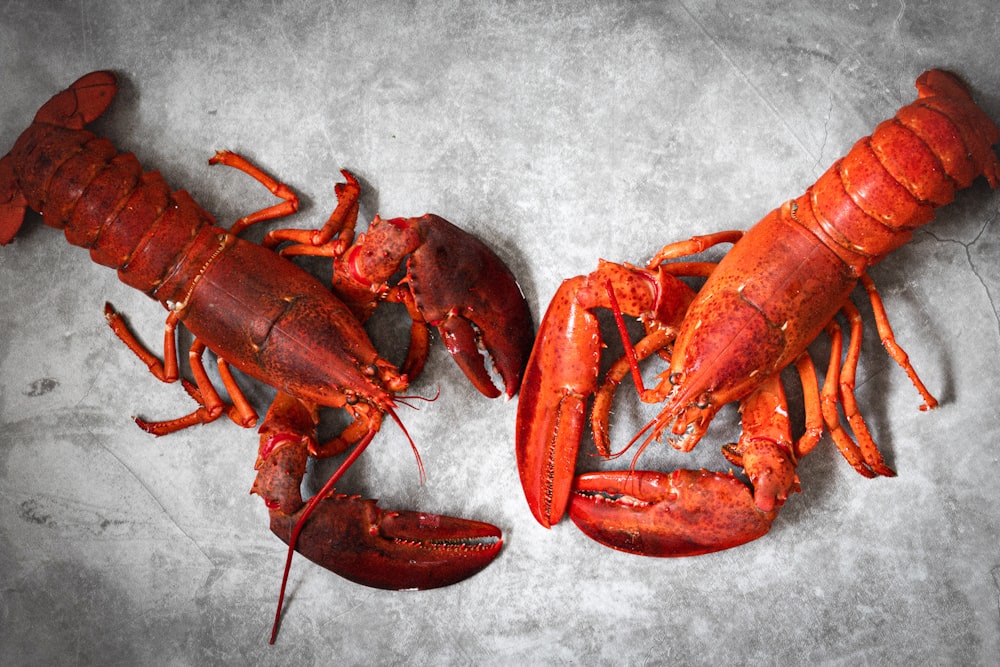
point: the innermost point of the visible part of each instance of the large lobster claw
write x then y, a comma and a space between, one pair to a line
680, 513
391, 549
693, 512
562, 372
460, 286
453, 281
352, 536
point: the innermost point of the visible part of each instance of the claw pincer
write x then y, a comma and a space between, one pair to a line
680, 513
477, 309
352, 536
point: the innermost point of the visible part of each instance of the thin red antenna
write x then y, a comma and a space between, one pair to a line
322, 494
306, 513
413, 445
633, 361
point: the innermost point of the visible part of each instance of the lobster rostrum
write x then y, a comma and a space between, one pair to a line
264, 315
780, 286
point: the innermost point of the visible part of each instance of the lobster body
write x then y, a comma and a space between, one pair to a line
780, 286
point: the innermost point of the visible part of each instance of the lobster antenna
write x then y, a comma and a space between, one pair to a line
633, 362
631, 442
417, 397
645, 443
413, 445
306, 513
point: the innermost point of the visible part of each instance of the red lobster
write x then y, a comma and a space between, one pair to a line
772, 294
262, 314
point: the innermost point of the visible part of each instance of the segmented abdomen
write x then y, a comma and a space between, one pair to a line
129, 220
868, 202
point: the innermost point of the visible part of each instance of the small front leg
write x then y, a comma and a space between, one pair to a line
288, 206
211, 405
341, 224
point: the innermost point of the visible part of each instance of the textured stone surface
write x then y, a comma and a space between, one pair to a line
559, 133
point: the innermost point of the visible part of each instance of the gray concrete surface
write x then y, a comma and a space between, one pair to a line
559, 133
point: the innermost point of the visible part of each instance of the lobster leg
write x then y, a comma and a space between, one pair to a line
211, 404
846, 380
289, 200
352, 536
865, 456
830, 397
340, 223
891, 346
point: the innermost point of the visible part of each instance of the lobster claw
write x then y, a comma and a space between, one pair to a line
562, 374
559, 380
353, 537
395, 550
460, 286
681, 513
453, 281
693, 512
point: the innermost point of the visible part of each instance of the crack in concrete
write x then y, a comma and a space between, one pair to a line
995, 573
968, 246
746, 80
818, 165
155, 499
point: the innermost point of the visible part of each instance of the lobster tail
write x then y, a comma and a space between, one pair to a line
944, 93
100, 198
86, 99
867, 204
80, 104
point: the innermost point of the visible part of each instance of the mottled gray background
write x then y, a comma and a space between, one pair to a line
559, 133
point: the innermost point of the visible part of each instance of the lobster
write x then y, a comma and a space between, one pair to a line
780, 286
261, 313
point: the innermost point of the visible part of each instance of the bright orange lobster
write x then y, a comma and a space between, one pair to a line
262, 314
780, 285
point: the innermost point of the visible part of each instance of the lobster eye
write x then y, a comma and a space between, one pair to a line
676, 378
350, 398
704, 400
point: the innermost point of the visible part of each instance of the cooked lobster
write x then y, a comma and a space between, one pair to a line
771, 295
261, 313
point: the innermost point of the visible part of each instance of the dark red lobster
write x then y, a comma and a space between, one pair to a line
772, 294
262, 314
